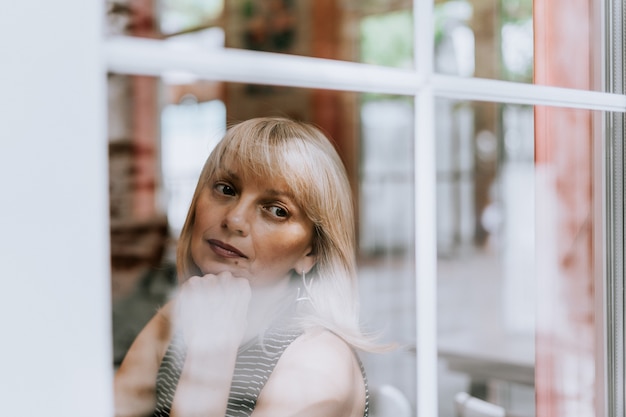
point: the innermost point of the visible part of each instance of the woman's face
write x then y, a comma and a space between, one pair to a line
252, 228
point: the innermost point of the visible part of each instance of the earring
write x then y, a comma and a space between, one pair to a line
306, 289
307, 285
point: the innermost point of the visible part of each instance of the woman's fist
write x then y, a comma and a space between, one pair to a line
211, 311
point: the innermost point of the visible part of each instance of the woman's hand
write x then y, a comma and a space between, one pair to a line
211, 311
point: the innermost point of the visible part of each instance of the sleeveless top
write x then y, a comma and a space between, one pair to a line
254, 365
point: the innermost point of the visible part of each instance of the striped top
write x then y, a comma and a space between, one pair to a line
254, 365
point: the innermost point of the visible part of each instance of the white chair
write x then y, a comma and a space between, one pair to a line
388, 401
468, 406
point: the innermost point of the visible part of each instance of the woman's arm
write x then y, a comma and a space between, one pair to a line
317, 376
211, 313
135, 380
205, 381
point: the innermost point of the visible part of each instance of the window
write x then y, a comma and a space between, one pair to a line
464, 116
483, 141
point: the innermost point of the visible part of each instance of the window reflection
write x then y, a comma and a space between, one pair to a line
183, 16
374, 137
485, 39
516, 269
342, 30
386, 39
501, 200
486, 246
386, 238
514, 40
189, 131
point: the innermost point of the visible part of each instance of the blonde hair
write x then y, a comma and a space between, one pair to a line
301, 155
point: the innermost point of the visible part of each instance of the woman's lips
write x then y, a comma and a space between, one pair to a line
225, 250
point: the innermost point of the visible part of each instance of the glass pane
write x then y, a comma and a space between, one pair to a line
569, 236
161, 132
521, 40
517, 244
386, 253
377, 32
374, 31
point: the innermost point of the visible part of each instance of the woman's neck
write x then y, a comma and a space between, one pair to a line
264, 304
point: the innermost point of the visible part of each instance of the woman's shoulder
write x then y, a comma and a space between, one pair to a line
324, 347
318, 374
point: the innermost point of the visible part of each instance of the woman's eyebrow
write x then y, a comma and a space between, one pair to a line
231, 174
226, 175
280, 193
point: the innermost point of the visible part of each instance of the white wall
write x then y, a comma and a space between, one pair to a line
54, 312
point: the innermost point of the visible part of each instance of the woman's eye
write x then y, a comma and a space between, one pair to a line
278, 211
225, 189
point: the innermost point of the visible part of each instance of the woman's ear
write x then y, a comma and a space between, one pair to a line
305, 263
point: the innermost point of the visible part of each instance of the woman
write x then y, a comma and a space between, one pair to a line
266, 318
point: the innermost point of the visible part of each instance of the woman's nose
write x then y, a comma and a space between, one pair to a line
236, 218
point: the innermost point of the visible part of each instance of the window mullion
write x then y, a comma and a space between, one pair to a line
425, 212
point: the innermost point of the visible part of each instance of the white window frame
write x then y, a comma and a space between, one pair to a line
78, 304
54, 211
